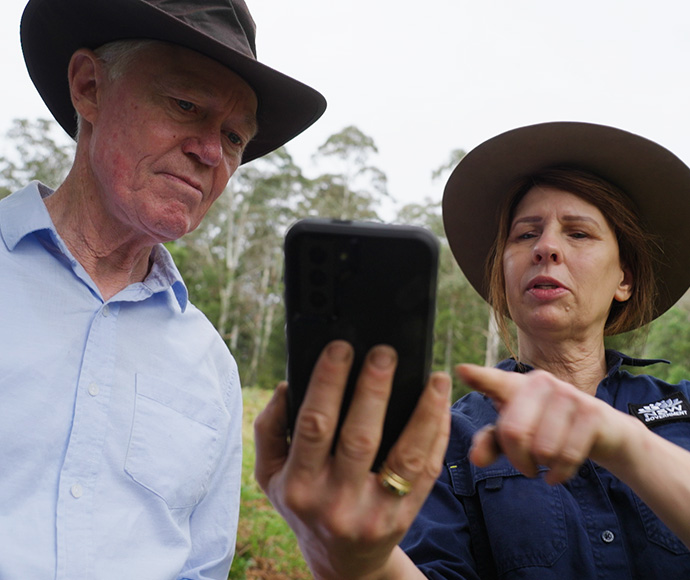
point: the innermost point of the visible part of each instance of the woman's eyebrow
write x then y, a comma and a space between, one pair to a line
566, 218
580, 218
527, 219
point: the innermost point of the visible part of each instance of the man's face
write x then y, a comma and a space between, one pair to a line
167, 136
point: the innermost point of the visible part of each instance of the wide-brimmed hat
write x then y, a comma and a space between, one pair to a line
52, 30
656, 181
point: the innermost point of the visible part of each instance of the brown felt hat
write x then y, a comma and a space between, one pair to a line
656, 181
52, 30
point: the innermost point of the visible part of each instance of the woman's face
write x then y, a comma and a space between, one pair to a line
562, 266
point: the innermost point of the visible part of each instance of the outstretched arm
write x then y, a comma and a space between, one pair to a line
348, 525
546, 421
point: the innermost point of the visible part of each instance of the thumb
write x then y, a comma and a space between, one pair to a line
270, 437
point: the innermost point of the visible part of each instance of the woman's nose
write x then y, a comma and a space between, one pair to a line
546, 249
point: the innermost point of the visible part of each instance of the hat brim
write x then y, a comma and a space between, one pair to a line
656, 181
52, 31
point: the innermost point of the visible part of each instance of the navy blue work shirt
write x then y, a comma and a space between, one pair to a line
494, 522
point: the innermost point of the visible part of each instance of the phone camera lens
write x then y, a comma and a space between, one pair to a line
317, 277
317, 299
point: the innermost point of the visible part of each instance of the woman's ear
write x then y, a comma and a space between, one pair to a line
625, 287
85, 74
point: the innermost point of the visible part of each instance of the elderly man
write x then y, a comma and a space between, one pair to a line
120, 407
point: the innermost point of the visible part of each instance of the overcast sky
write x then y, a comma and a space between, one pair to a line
424, 78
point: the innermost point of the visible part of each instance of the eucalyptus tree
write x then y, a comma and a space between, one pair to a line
349, 185
233, 261
460, 312
34, 150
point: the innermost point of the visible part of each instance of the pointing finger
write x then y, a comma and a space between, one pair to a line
501, 386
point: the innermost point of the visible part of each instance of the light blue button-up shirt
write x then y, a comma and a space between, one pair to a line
120, 422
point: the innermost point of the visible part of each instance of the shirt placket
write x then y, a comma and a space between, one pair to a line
602, 524
77, 499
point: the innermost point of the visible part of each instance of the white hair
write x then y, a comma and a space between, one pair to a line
116, 57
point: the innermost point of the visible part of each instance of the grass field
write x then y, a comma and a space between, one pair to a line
266, 546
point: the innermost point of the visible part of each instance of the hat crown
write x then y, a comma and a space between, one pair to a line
227, 21
223, 30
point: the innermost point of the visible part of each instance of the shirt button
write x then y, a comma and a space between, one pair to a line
105, 310
77, 491
584, 471
607, 536
93, 389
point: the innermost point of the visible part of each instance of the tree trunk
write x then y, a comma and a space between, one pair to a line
233, 251
493, 341
259, 325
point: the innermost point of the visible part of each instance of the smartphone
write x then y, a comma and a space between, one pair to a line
366, 283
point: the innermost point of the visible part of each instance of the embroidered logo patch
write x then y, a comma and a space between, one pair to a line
669, 410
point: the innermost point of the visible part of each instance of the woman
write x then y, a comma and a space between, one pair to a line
572, 455
543, 494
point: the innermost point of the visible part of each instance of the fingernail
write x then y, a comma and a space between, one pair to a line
338, 351
382, 357
441, 383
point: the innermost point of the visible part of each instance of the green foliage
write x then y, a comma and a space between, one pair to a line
233, 262
39, 151
462, 319
669, 338
461, 314
354, 188
266, 546
453, 159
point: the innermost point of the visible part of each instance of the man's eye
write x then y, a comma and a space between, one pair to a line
234, 138
185, 105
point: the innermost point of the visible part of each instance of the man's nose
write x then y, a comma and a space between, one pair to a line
205, 147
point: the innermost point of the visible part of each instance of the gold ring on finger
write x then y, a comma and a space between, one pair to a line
393, 482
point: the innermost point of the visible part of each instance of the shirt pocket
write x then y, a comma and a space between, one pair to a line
521, 518
174, 443
657, 532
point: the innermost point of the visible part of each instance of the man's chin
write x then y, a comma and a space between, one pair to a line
169, 232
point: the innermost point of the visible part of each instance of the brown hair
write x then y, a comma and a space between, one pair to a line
636, 246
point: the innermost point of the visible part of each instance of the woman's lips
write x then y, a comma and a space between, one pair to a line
545, 288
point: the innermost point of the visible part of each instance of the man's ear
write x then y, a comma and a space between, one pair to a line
625, 287
85, 76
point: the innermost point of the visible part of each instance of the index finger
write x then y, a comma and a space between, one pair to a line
318, 414
500, 386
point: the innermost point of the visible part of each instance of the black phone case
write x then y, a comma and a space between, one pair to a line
369, 284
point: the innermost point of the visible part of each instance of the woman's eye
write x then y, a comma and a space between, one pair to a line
526, 236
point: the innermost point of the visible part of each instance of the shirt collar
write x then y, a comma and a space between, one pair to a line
164, 274
24, 213
614, 361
